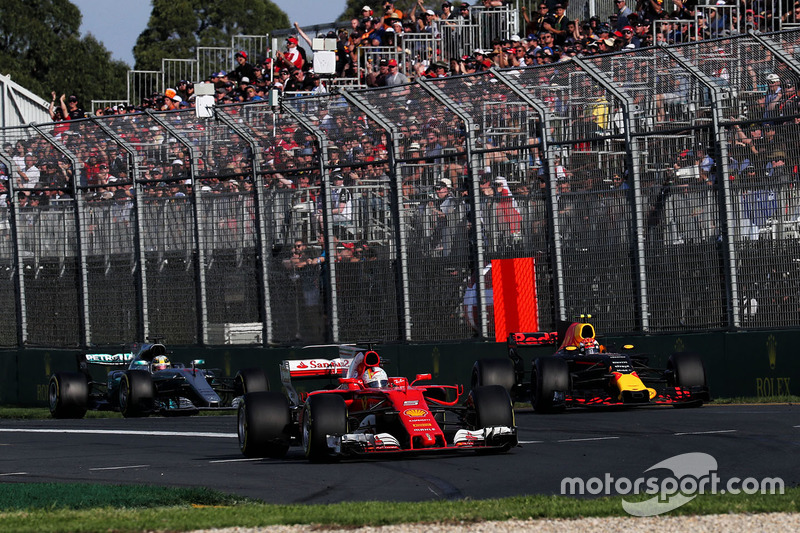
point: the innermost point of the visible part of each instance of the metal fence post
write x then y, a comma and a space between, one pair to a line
403, 289
725, 209
261, 239
84, 322
770, 45
479, 258
631, 147
327, 218
19, 286
555, 229
200, 272
143, 330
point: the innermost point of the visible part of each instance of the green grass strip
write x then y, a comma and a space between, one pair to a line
129, 509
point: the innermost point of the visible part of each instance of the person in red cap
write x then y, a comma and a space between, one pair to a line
243, 70
395, 77
629, 38
292, 56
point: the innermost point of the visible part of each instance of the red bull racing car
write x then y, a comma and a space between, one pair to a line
364, 412
583, 373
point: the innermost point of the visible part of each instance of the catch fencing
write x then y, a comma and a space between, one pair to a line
655, 189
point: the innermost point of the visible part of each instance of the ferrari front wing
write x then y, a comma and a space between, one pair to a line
491, 438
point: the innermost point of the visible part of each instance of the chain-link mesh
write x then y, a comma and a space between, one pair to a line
655, 190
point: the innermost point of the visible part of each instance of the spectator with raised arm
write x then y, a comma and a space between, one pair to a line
291, 58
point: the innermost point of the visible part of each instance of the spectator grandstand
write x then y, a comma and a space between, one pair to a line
630, 176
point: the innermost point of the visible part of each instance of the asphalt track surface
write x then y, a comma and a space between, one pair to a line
754, 441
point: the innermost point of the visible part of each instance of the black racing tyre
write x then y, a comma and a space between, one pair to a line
250, 380
136, 394
685, 369
68, 395
493, 372
323, 415
550, 375
263, 422
492, 406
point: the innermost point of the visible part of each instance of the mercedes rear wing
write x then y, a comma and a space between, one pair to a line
110, 359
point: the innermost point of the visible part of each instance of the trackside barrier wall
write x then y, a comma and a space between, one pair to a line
654, 189
751, 364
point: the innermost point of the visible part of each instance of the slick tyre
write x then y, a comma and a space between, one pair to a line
323, 415
250, 380
550, 376
136, 394
263, 422
686, 370
487, 372
68, 395
492, 406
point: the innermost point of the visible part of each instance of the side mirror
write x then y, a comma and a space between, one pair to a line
423, 377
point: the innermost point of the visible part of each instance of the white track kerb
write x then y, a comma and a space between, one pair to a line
692, 474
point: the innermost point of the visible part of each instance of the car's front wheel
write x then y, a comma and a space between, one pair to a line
263, 421
323, 415
492, 406
686, 370
136, 394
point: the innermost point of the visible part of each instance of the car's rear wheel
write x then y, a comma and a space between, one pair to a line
136, 394
263, 422
493, 372
549, 384
323, 415
68, 395
250, 380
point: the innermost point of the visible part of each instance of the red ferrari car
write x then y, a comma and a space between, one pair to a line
349, 416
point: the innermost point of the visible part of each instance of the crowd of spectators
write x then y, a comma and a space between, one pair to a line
289, 157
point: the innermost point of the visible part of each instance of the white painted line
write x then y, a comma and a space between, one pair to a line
706, 432
588, 439
243, 460
124, 432
15, 474
530, 441
120, 467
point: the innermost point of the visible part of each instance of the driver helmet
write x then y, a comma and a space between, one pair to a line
375, 378
590, 346
160, 362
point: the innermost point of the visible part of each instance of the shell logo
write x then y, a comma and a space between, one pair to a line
415, 413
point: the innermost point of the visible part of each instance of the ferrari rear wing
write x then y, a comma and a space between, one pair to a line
313, 368
317, 367
536, 338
